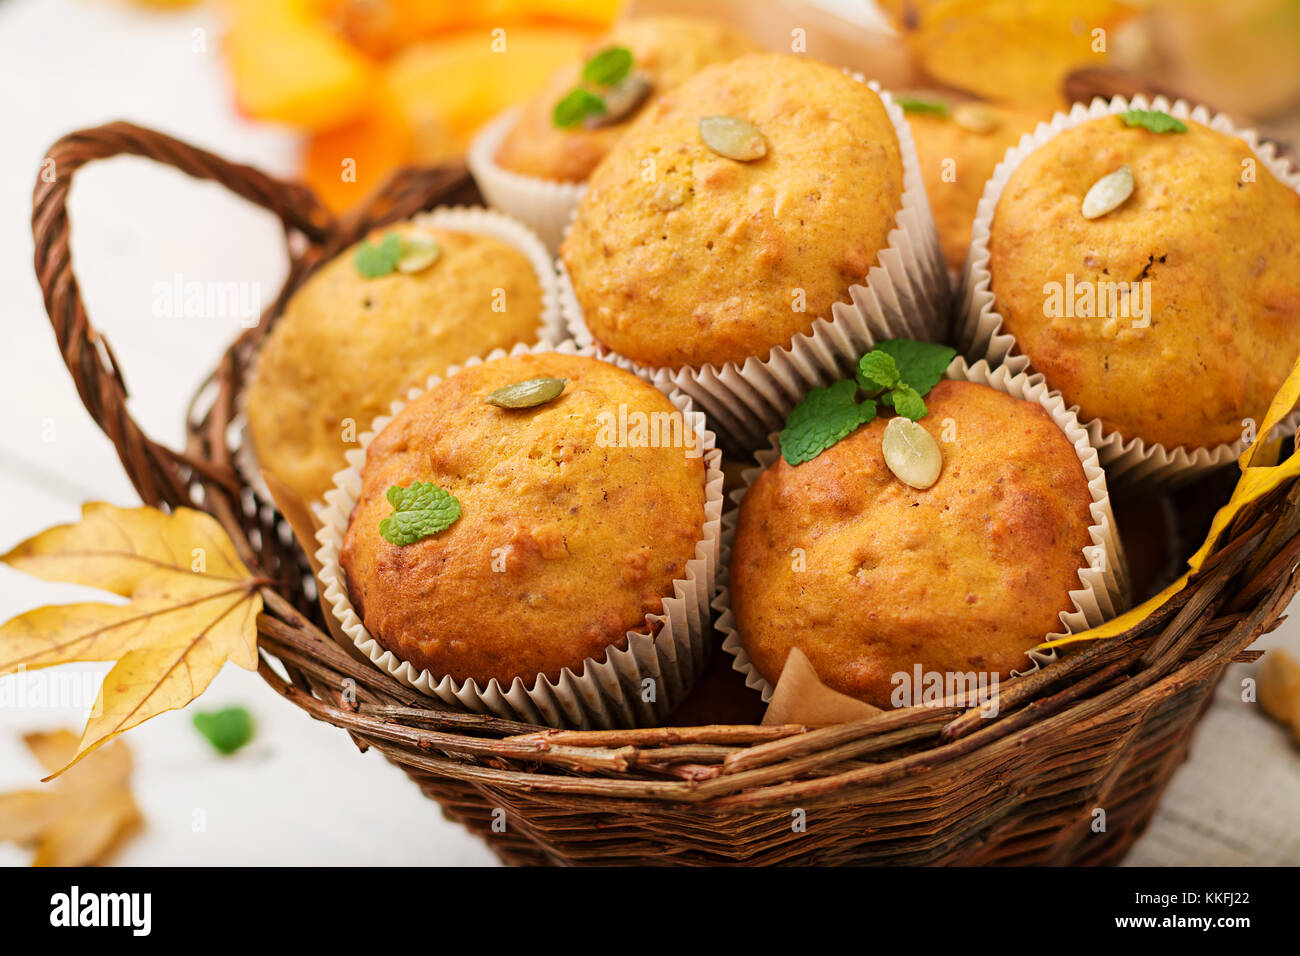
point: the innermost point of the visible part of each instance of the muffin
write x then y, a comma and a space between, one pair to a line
569, 537
1131, 313
536, 171
681, 256
347, 346
870, 577
958, 149
665, 51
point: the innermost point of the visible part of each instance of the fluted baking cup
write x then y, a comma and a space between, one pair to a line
1103, 588
545, 205
471, 219
906, 294
604, 692
979, 331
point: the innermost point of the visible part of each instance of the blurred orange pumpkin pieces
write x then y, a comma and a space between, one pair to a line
380, 28
343, 165
428, 102
382, 83
1011, 50
290, 67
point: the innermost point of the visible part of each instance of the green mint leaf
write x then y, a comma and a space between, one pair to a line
373, 261
608, 67
877, 371
920, 364
919, 104
1153, 120
906, 401
418, 511
824, 417
227, 730
576, 107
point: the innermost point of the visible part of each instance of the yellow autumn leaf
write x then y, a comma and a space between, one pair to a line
1014, 50
1118, 625
81, 818
1260, 475
1255, 482
1286, 399
193, 606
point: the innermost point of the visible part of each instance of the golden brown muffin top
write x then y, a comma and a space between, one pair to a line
956, 162
964, 576
665, 50
680, 256
1216, 256
347, 347
566, 541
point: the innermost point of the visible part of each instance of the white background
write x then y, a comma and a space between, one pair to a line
300, 793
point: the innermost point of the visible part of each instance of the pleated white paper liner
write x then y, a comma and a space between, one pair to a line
545, 205
1103, 590
469, 219
906, 294
602, 693
978, 330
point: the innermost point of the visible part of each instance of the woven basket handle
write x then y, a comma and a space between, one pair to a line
156, 471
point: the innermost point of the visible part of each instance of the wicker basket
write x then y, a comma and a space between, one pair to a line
1105, 727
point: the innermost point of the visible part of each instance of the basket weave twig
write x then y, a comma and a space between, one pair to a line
1103, 728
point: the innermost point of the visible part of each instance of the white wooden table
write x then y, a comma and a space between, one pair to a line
300, 793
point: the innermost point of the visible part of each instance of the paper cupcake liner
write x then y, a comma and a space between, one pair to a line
471, 219
906, 294
979, 331
601, 693
1103, 590
544, 205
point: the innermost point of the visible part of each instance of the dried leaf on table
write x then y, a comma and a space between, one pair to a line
80, 819
1279, 689
192, 606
